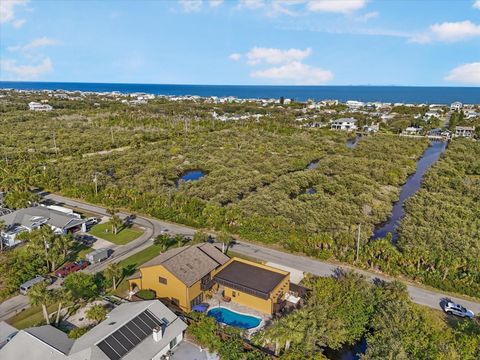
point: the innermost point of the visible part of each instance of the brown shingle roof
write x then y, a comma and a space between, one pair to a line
190, 263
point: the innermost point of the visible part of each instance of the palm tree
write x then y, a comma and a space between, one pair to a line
96, 313
65, 243
62, 296
40, 295
116, 223
114, 271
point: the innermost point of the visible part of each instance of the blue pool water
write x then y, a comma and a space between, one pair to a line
232, 318
192, 175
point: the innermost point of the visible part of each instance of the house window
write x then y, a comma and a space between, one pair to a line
173, 343
162, 280
234, 293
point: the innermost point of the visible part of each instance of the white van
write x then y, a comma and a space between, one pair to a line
28, 285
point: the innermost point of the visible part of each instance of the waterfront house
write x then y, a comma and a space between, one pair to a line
465, 131
456, 106
187, 274
132, 331
344, 124
182, 275
28, 219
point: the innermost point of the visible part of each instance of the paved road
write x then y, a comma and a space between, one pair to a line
154, 227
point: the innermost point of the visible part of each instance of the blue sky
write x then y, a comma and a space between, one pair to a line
299, 42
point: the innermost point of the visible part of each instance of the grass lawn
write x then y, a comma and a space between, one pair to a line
132, 263
30, 317
124, 236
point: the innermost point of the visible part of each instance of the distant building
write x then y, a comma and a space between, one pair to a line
371, 128
354, 105
344, 124
34, 106
465, 131
456, 106
28, 219
411, 130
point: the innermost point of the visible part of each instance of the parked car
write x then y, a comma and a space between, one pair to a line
69, 268
26, 286
456, 309
91, 221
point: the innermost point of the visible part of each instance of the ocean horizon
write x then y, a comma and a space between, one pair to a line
393, 93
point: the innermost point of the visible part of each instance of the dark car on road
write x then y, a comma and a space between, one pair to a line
69, 268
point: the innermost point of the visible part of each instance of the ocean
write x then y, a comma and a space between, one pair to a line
405, 94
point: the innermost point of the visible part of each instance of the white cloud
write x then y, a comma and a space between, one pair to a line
7, 11
215, 3
476, 4
191, 5
25, 72
37, 43
336, 6
235, 56
18, 23
465, 74
368, 16
251, 4
448, 32
276, 56
295, 72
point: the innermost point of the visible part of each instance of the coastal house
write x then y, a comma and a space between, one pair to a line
182, 275
28, 219
34, 106
465, 131
187, 274
456, 106
136, 330
412, 130
344, 124
354, 105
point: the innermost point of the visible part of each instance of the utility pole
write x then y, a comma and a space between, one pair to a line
95, 180
358, 241
55, 144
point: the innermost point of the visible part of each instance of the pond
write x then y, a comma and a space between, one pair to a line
232, 318
414, 182
352, 142
190, 175
313, 165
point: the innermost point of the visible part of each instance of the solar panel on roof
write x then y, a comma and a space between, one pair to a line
130, 335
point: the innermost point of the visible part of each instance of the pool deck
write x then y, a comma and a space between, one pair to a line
217, 300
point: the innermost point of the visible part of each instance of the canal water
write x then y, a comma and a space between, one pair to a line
414, 181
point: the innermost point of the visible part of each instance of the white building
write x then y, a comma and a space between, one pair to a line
456, 106
354, 105
143, 330
34, 106
344, 124
465, 131
60, 220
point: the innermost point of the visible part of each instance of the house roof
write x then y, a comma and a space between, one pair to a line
6, 331
345, 120
87, 346
190, 263
38, 343
249, 278
32, 217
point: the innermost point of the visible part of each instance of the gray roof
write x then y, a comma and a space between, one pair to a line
32, 217
40, 343
190, 263
6, 331
86, 348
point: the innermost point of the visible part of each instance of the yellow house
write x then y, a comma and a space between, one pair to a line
185, 274
181, 274
254, 285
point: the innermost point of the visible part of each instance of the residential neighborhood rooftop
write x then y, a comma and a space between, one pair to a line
244, 277
190, 263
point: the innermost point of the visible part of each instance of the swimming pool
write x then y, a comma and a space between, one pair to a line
232, 318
